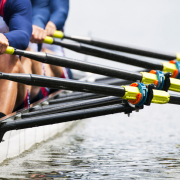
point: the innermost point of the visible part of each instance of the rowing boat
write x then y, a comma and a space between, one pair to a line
16, 142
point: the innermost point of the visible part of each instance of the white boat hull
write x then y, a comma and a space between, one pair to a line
16, 142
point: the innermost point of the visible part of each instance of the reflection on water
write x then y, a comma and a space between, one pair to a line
110, 147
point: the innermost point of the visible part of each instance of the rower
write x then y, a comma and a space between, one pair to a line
41, 16
58, 14
15, 30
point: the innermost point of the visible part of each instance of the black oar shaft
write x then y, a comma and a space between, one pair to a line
64, 100
66, 95
113, 81
59, 83
80, 65
122, 47
76, 98
102, 53
106, 80
61, 117
174, 99
105, 101
51, 106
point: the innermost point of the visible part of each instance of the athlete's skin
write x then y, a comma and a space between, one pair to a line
17, 16
57, 11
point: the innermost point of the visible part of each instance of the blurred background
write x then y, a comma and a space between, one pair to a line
145, 145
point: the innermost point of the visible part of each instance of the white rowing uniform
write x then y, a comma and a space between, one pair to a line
3, 26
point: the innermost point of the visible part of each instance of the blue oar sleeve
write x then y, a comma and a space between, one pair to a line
59, 12
18, 16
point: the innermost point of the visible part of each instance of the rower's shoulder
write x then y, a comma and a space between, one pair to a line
18, 5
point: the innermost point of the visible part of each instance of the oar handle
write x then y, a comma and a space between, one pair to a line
48, 40
9, 50
58, 34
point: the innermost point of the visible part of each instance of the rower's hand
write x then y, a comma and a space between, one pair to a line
50, 28
38, 35
4, 43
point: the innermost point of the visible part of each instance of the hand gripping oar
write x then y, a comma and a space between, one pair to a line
119, 47
137, 93
146, 78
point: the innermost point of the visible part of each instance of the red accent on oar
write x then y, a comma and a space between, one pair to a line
156, 82
175, 73
138, 97
152, 72
134, 85
172, 62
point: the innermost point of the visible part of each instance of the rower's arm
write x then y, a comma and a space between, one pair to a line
18, 16
40, 12
59, 12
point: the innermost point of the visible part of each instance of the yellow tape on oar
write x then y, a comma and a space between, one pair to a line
169, 67
130, 92
58, 34
48, 40
174, 84
9, 50
160, 97
149, 78
178, 56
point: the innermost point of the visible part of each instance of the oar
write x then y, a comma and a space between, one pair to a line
69, 101
119, 47
84, 96
172, 66
144, 77
137, 92
63, 100
90, 103
62, 117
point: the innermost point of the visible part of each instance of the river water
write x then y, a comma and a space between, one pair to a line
145, 145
